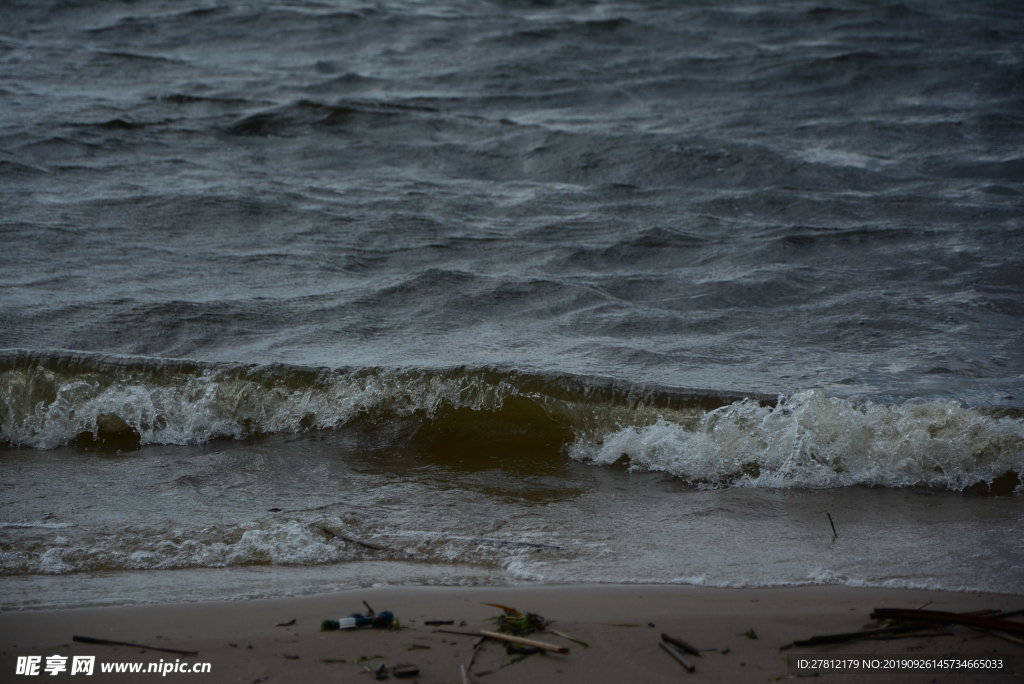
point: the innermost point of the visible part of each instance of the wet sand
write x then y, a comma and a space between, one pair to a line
241, 641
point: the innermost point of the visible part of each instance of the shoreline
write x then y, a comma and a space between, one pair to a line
243, 642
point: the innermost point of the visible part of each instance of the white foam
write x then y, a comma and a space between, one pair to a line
811, 440
193, 408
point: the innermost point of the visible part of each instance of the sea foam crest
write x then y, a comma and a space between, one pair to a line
811, 440
52, 399
44, 408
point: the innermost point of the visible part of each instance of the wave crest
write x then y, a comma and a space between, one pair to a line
55, 399
811, 440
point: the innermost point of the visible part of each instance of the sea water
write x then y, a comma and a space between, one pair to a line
515, 291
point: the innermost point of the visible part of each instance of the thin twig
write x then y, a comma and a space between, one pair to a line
1000, 635
108, 642
353, 540
505, 542
915, 635
472, 657
452, 631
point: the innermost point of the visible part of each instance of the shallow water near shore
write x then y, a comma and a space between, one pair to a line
258, 519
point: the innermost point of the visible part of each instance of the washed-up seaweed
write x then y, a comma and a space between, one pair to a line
523, 624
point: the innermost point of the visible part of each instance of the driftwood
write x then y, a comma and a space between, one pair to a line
678, 656
941, 617
679, 643
862, 634
479, 540
505, 542
525, 642
452, 631
1012, 613
497, 636
108, 642
344, 537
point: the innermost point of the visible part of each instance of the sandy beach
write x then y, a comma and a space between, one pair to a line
280, 640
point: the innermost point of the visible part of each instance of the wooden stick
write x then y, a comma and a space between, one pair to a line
835, 535
506, 542
1006, 637
1012, 613
108, 642
465, 675
679, 643
915, 635
999, 635
525, 642
510, 639
947, 618
353, 540
850, 636
678, 656
452, 631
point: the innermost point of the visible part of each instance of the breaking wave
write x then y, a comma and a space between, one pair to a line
52, 400
811, 440
707, 438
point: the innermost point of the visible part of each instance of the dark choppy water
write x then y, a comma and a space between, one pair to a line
437, 273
